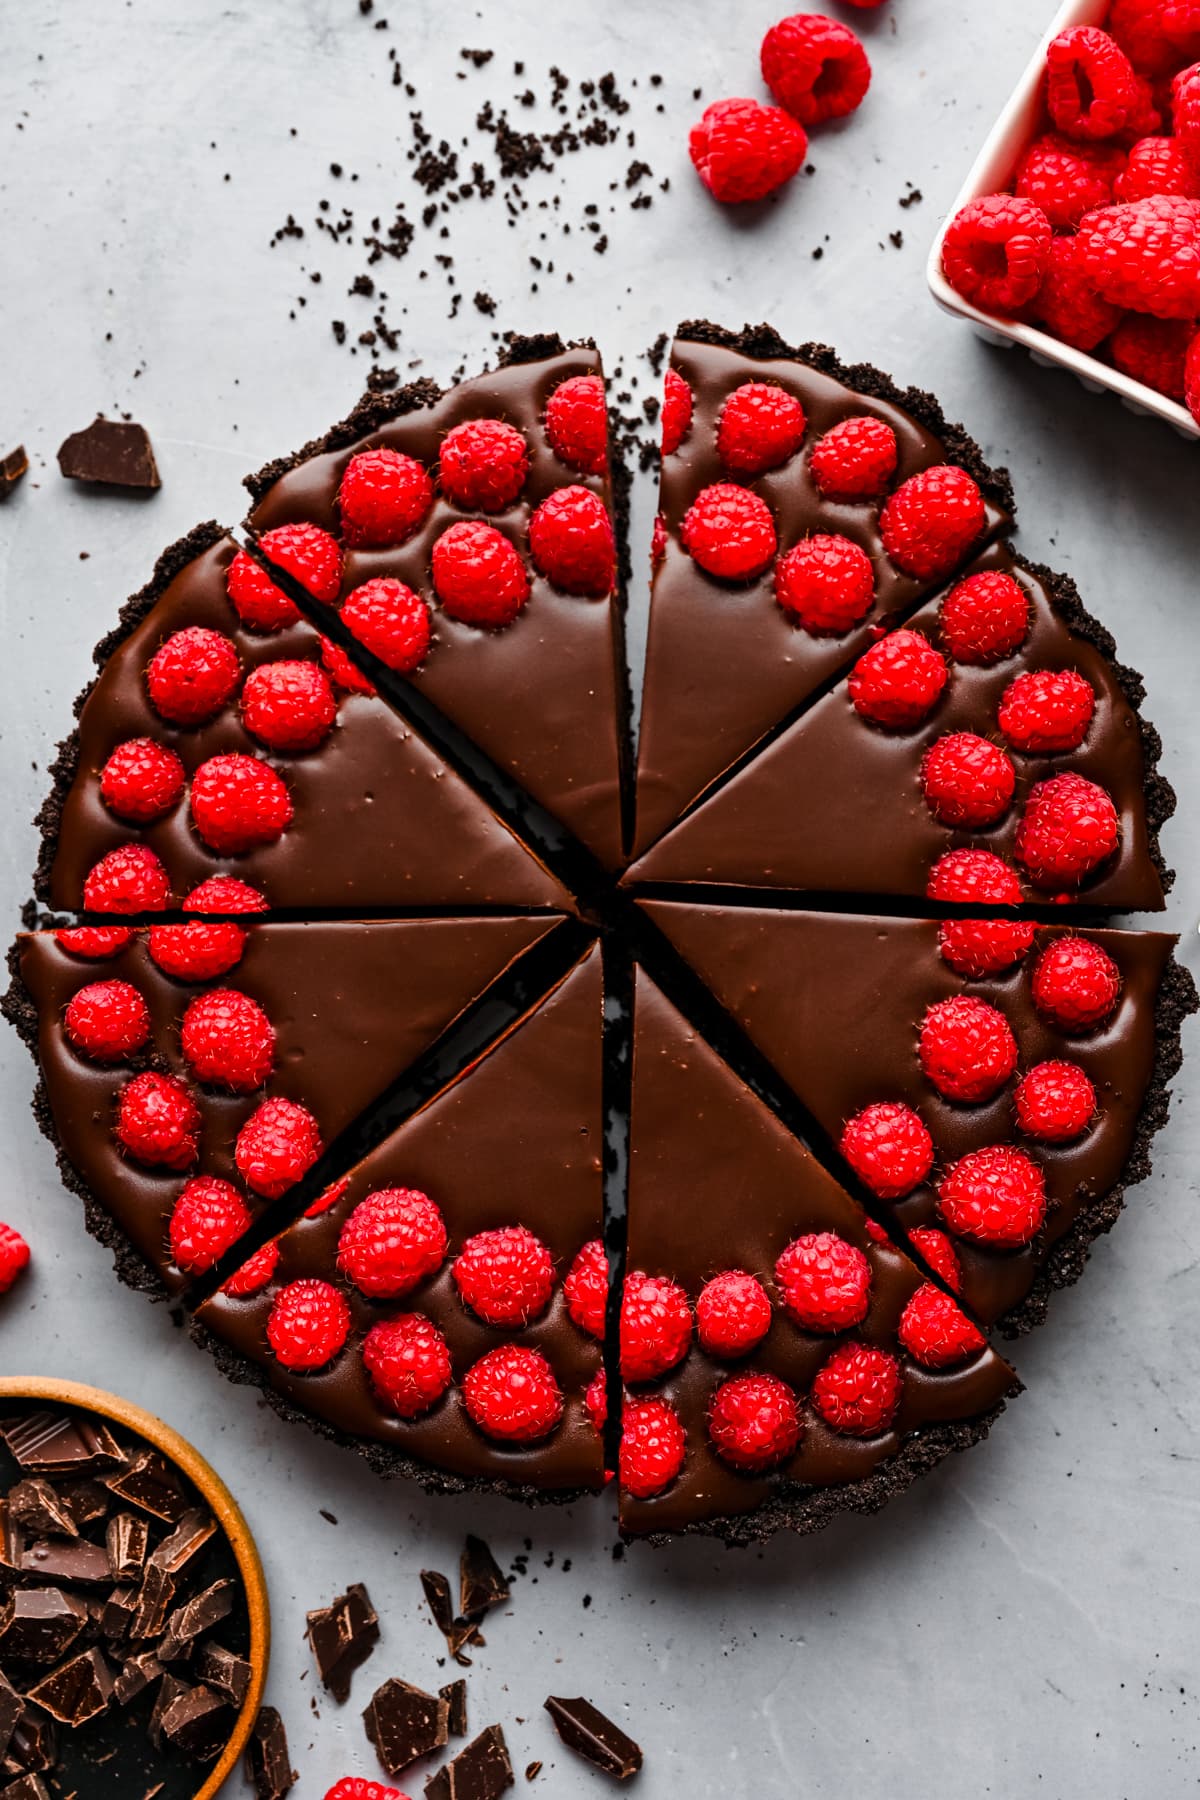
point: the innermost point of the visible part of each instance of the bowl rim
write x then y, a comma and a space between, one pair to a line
229, 1515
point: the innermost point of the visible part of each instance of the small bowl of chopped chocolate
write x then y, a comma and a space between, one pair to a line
134, 1627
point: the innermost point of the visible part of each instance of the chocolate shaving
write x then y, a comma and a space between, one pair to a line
481, 1584
480, 1772
116, 452
455, 1696
268, 1766
584, 1729
77, 1690
342, 1636
403, 1722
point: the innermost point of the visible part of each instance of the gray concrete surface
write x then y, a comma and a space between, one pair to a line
1024, 1622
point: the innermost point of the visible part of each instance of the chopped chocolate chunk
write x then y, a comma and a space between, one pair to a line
481, 1584
154, 1600
170, 1690
532, 1771
455, 1695
194, 1618
341, 1636
116, 452
150, 1484
136, 1675
11, 1708
86, 1501
268, 1766
12, 1539
480, 1772
403, 1722
456, 1632
35, 1506
117, 1614
221, 1669
39, 1625
25, 1787
127, 1540
584, 1729
60, 1443
34, 1744
77, 1690
198, 1723
67, 1559
13, 468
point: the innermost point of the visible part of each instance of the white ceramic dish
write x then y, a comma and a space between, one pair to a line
992, 171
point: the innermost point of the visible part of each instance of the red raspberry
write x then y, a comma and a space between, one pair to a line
191, 676
676, 411
815, 67
390, 621
826, 583
341, 671
308, 1324
279, 1143
855, 459
483, 464
586, 1289
255, 1273
1185, 109
973, 877
571, 540
207, 1218
824, 1282
1066, 180
1091, 89
1067, 306
326, 1201
931, 521
96, 942
730, 532
357, 1787
1069, 827
1154, 34
980, 947
889, 1148
967, 782
995, 252
858, 1390
653, 1446
760, 427
1055, 1101
128, 879
744, 151
198, 951
239, 802
656, 1326
1191, 378
733, 1314
158, 1122
1046, 710
228, 1040
310, 556
478, 575
107, 1020
142, 780
255, 598
595, 1402
936, 1331
658, 541
408, 1363
1075, 984
939, 1253
14, 1256
985, 618
506, 1276
383, 499
1146, 255
898, 681
392, 1241
754, 1422
967, 1048
224, 894
1153, 351
875, 1232
1156, 165
288, 705
577, 423
511, 1394
995, 1196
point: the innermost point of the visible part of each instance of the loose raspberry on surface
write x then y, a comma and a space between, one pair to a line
192, 675
932, 520
1157, 165
995, 252
1067, 179
939, 1253
995, 1196
586, 1289
730, 532
733, 1314
14, 1256
383, 499
571, 541
824, 1282
967, 781
1091, 89
357, 1787
129, 879
142, 781
1076, 984
656, 1326
826, 583
308, 1324
228, 1040
1154, 351
390, 621
1145, 255
1055, 1102
511, 1394
761, 426
394, 1239
676, 411
653, 1447
889, 1148
754, 1422
342, 672
1066, 304
898, 681
1068, 829
158, 1121
408, 1363
743, 151
967, 1049
577, 424
279, 1143
984, 618
238, 803
207, 1218
478, 575
197, 951
506, 1276
107, 1021
225, 894
855, 459
256, 1273
1047, 710
858, 1390
936, 1331
815, 67
95, 942
483, 465
288, 705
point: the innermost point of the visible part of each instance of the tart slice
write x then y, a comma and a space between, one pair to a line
426, 1310
223, 737
192, 1073
996, 1081
784, 1362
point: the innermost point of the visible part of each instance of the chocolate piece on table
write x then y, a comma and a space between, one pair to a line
455, 1695
221, 1669
25, 1787
170, 1690
67, 1559
481, 1583
35, 1506
341, 1636
268, 1766
150, 1484
197, 1723
116, 452
127, 1540
585, 1729
77, 1690
39, 1625
403, 1722
456, 1632
13, 468
49, 1443
11, 1708
480, 1772
194, 1617
136, 1675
